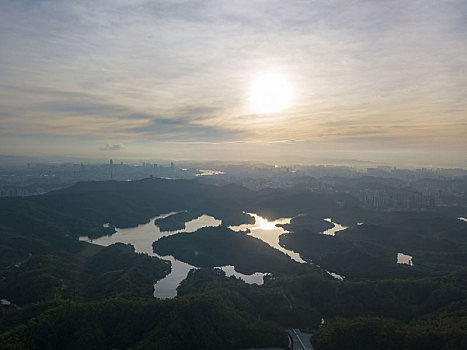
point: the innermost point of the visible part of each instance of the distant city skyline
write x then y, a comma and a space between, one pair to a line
375, 81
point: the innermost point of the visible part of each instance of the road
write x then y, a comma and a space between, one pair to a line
300, 340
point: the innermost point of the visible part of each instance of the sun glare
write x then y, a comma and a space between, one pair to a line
270, 93
265, 224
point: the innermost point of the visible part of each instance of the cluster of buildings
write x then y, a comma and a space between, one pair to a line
394, 199
377, 188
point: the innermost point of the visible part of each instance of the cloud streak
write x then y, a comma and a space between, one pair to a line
182, 129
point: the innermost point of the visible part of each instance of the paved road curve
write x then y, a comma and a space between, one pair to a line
300, 340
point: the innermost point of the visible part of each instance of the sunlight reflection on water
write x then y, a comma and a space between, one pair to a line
269, 232
142, 238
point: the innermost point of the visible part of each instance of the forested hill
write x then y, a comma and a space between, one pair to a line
84, 207
436, 238
62, 290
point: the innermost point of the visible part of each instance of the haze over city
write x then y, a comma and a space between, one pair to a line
275, 81
213, 174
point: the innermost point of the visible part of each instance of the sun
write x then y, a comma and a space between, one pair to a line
270, 93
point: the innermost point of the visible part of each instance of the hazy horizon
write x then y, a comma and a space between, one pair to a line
381, 82
362, 164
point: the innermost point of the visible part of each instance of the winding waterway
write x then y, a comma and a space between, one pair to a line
332, 231
268, 232
143, 236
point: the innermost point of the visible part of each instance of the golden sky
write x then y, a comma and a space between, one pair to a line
144, 78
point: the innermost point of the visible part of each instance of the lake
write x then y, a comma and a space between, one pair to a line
404, 259
143, 236
332, 231
268, 232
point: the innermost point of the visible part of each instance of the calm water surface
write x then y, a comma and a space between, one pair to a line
336, 276
404, 259
268, 232
332, 231
142, 238
255, 278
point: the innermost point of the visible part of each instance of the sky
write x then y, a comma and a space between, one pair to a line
373, 80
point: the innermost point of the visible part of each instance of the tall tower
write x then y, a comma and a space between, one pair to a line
111, 169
